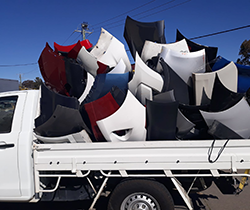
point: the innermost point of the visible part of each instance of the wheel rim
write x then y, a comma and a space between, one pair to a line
140, 201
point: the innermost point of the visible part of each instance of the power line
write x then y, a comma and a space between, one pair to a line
17, 65
31, 71
198, 37
77, 38
220, 32
152, 13
94, 26
154, 8
166, 9
124, 13
69, 37
137, 14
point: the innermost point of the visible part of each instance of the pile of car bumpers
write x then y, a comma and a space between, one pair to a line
174, 91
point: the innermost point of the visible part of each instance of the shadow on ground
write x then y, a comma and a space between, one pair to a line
73, 205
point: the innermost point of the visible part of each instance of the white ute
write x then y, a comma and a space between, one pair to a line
138, 175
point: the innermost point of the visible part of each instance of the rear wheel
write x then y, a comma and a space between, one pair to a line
140, 195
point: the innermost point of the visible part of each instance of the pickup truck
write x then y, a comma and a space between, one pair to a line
134, 175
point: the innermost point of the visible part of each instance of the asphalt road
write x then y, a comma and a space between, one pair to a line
209, 199
213, 199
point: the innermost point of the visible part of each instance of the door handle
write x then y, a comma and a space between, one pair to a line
5, 146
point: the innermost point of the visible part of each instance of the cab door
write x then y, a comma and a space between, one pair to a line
11, 116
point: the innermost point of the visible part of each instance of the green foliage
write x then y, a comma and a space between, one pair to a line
32, 84
244, 53
37, 82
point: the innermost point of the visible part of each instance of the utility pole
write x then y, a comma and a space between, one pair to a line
20, 82
84, 30
20, 78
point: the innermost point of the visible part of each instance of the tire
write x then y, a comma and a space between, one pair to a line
140, 194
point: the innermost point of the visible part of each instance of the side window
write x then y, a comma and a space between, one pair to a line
7, 108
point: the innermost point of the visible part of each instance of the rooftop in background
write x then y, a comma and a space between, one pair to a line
8, 85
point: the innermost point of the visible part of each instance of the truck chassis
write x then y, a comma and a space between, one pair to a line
171, 159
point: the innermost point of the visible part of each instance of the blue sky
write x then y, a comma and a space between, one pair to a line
26, 25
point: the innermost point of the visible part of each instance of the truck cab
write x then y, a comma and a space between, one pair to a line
17, 112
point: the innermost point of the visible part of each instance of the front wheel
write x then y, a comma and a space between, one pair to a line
140, 195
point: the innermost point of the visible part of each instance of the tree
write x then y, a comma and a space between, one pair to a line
32, 84
37, 82
244, 53
28, 84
